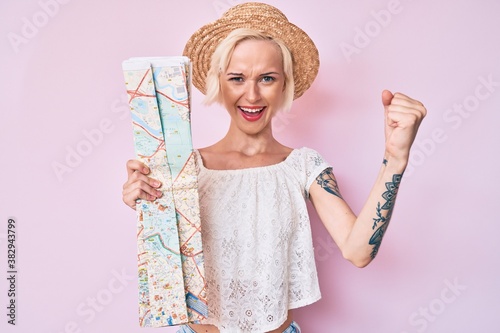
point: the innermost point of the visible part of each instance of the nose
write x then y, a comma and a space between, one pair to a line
252, 92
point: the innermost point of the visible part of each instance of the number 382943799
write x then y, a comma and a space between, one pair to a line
11, 244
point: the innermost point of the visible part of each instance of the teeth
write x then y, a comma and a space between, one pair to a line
251, 110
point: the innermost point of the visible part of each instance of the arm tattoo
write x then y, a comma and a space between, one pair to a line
390, 198
328, 182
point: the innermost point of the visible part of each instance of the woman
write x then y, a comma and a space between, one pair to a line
259, 259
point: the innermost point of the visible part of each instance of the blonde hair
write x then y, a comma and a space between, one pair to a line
222, 56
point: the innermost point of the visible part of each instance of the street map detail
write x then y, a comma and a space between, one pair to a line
172, 288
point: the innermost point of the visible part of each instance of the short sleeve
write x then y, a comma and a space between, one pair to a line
314, 165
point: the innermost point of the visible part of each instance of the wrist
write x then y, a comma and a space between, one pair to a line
395, 164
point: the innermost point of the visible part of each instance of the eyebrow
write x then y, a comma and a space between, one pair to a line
270, 73
264, 74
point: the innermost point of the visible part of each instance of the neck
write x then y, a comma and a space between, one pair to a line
249, 144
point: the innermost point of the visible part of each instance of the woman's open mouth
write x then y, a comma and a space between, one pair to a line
252, 113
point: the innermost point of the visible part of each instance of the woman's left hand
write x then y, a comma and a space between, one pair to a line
403, 116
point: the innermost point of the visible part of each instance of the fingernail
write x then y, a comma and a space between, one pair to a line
156, 184
159, 194
145, 170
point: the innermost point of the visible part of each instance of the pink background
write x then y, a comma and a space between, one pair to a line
61, 82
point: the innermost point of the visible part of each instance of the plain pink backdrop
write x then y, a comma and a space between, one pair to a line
61, 82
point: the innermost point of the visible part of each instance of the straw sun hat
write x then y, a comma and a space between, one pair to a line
260, 17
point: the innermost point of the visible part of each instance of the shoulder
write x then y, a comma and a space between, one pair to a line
209, 156
306, 164
310, 157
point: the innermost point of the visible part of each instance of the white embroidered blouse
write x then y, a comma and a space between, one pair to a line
259, 256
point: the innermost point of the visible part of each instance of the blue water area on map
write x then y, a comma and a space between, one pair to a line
195, 304
154, 131
140, 105
176, 93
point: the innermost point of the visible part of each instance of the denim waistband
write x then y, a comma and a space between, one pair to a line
293, 328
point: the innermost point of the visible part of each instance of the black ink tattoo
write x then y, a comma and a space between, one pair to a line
390, 197
384, 161
376, 239
328, 182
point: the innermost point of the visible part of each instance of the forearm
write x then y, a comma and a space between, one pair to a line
359, 237
363, 241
